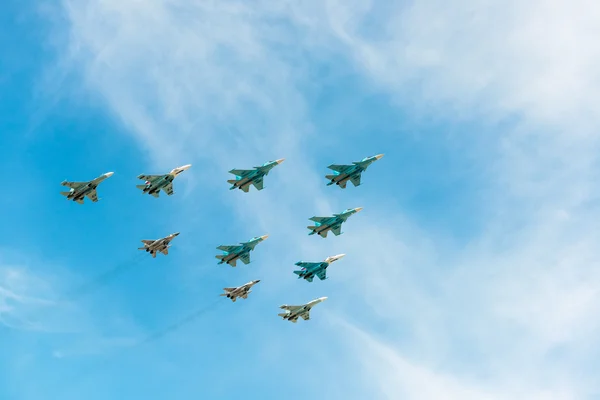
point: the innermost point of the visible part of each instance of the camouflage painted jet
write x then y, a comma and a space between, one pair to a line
292, 313
154, 183
239, 252
79, 190
240, 291
319, 269
158, 246
245, 177
344, 173
325, 224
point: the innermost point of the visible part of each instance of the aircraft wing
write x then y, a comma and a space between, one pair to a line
245, 258
337, 230
92, 195
229, 289
318, 219
228, 249
338, 168
322, 274
168, 189
305, 315
258, 183
356, 179
290, 308
240, 172
73, 185
150, 177
148, 241
306, 265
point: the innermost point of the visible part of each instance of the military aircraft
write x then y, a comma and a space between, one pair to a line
325, 224
240, 291
292, 313
319, 269
159, 245
344, 173
239, 252
79, 190
246, 177
154, 183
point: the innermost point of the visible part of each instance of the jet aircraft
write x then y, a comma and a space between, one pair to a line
246, 177
240, 291
319, 269
334, 223
292, 313
159, 245
344, 173
239, 252
79, 190
154, 183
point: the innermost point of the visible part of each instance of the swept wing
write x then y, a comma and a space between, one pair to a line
92, 195
74, 185
168, 189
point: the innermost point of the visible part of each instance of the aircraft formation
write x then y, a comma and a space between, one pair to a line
342, 174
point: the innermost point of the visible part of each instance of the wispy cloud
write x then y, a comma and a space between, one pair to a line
506, 316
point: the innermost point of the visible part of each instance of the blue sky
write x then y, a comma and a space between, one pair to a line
471, 273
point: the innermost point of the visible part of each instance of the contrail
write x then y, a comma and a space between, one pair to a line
103, 278
177, 325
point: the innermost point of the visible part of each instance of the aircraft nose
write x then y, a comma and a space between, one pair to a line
339, 256
256, 281
185, 167
263, 237
322, 298
175, 234
109, 174
357, 209
280, 160
379, 156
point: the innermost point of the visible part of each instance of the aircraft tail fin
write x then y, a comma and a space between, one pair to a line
330, 178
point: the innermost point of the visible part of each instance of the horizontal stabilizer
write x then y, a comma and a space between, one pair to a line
312, 228
65, 193
232, 181
298, 273
283, 314
142, 187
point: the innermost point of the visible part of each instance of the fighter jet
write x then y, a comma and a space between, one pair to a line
240, 291
79, 190
324, 224
344, 173
239, 252
154, 183
294, 312
245, 177
311, 269
159, 245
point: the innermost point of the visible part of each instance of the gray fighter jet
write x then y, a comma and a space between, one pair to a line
292, 313
154, 183
159, 245
241, 291
79, 190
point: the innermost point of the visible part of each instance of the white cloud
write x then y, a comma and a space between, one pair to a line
215, 82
